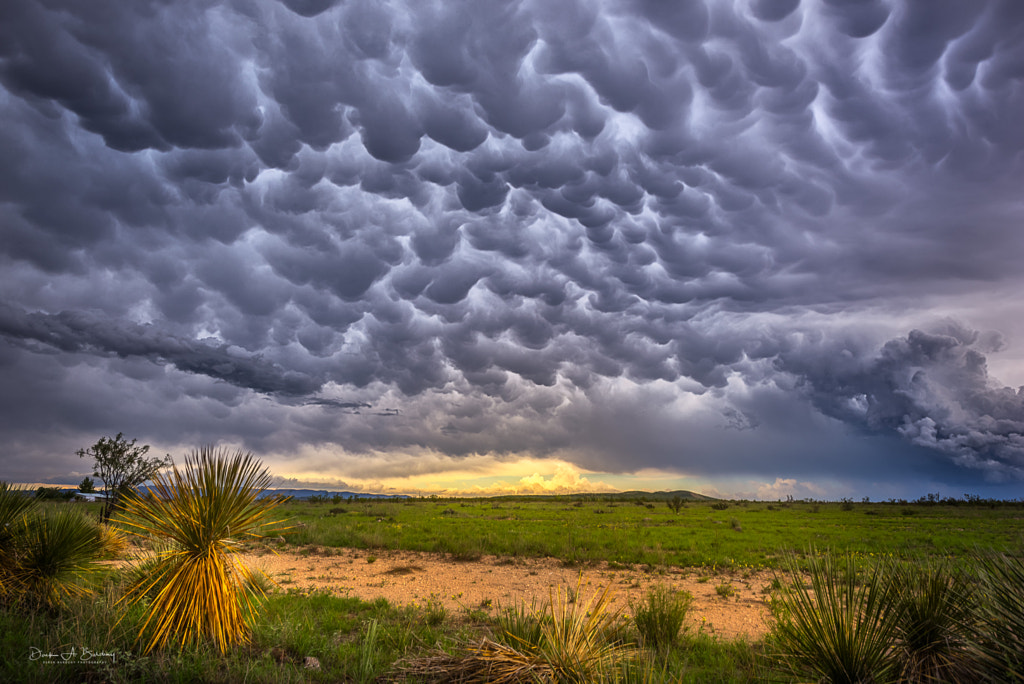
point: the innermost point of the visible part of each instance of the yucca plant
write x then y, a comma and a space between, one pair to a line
574, 641
196, 588
57, 553
998, 646
934, 620
15, 504
564, 642
840, 630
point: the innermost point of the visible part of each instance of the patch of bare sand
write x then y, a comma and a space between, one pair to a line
408, 577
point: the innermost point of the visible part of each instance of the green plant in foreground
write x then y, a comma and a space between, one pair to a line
199, 588
46, 557
934, 615
840, 630
57, 552
15, 504
574, 635
999, 645
660, 614
565, 642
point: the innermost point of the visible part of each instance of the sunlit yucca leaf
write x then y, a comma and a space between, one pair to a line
574, 640
199, 589
841, 629
58, 551
113, 540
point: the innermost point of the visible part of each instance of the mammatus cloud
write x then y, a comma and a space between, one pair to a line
624, 234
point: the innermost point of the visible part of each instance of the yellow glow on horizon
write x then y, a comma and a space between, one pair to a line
523, 476
487, 475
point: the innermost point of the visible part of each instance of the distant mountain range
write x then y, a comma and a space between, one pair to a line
310, 493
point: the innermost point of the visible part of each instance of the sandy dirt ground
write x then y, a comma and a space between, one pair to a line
406, 577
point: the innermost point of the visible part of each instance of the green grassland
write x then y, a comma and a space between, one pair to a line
645, 530
363, 641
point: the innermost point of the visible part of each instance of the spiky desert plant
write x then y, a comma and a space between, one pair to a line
574, 641
114, 541
934, 621
58, 551
998, 645
840, 630
660, 614
15, 504
198, 515
487, 662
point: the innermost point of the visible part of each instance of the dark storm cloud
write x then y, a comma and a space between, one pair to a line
933, 389
80, 331
522, 224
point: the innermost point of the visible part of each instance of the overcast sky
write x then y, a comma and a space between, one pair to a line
753, 248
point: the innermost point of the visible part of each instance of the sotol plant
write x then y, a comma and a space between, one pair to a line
197, 516
999, 645
45, 558
935, 615
15, 504
840, 630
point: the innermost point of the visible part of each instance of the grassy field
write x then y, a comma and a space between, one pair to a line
361, 641
634, 531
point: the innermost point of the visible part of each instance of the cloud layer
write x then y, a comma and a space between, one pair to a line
702, 237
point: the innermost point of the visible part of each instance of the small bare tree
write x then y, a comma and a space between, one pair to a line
122, 466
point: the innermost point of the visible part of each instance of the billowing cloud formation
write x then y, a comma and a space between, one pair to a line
625, 233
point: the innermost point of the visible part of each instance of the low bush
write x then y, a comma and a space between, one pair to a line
659, 616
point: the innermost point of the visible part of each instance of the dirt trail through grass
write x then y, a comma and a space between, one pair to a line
725, 604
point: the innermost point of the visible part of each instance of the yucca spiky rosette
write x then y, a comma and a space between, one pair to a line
198, 516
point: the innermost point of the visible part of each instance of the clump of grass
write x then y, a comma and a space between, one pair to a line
659, 616
199, 589
435, 612
725, 589
838, 630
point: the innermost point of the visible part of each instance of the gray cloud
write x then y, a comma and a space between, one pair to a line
490, 227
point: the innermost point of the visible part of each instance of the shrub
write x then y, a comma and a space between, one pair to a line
660, 614
199, 514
